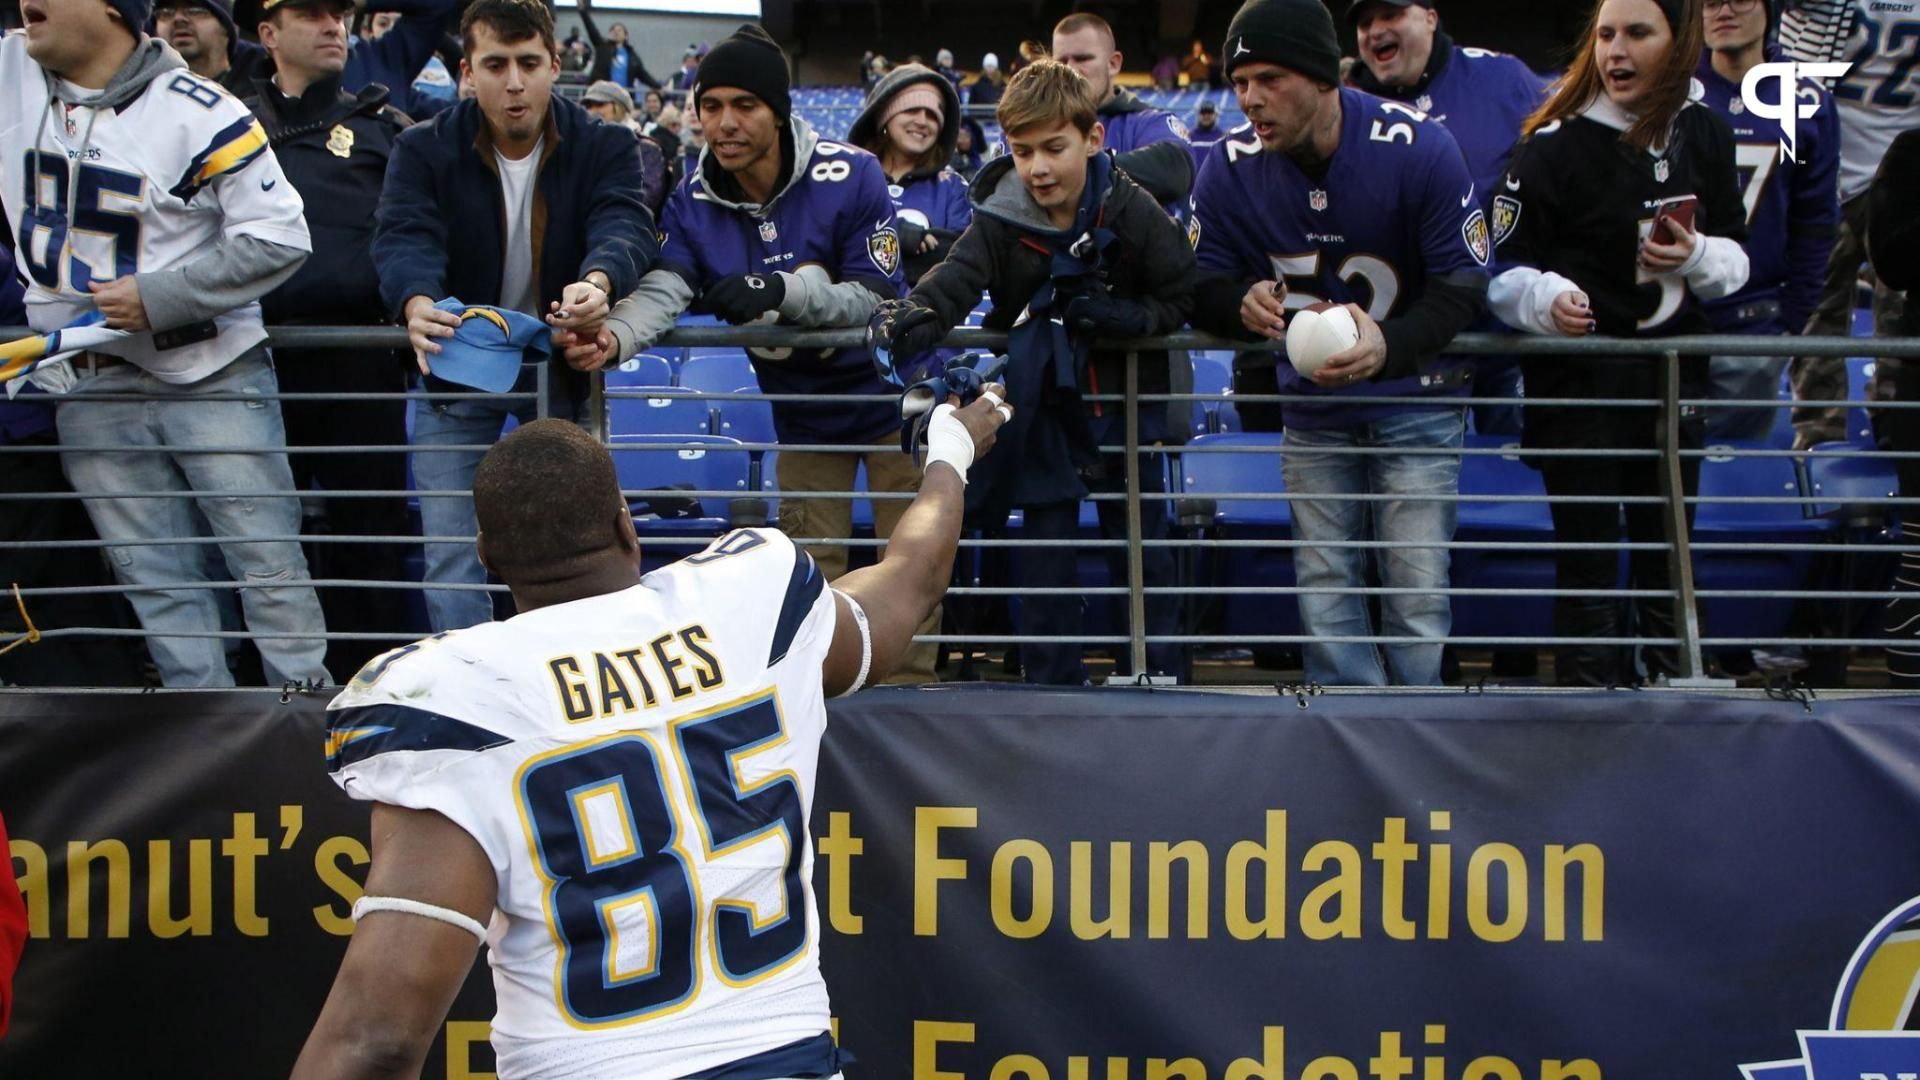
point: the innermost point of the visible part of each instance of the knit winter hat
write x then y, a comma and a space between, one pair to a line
750, 61
917, 96
1295, 34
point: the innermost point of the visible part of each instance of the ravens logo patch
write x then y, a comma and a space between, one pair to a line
883, 247
1475, 234
1506, 214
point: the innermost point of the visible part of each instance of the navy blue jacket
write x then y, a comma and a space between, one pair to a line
441, 227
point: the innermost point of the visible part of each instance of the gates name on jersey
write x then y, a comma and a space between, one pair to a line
1394, 207
638, 767
831, 217
149, 181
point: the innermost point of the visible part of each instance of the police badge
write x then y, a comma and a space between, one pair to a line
340, 141
1474, 231
883, 247
1506, 214
1317, 199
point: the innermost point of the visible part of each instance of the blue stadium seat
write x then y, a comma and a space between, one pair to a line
1211, 375
1859, 425
645, 369
1212, 466
1833, 481
1727, 473
748, 421
657, 410
1502, 522
1245, 463
718, 371
692, 462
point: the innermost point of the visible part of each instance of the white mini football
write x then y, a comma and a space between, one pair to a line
1317, 332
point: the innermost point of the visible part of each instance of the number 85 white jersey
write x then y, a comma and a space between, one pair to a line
145, 184
638, 767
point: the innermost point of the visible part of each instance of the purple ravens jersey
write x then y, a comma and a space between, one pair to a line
833, 216
1482, 97
1201, 141
1131, 125
1792, 205
934, 202
1391, 209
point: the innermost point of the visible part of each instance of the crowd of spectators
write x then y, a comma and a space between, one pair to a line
1429, 189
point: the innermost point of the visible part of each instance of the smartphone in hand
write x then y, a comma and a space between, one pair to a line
1667, 213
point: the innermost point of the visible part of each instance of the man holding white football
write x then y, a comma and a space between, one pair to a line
1386, 248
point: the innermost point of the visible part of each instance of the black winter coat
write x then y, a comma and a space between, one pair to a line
334, 147
1150, 262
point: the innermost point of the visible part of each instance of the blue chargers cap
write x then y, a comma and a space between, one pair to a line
487, 350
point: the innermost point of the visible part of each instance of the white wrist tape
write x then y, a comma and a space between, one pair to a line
414, 907
866, 636
949, 440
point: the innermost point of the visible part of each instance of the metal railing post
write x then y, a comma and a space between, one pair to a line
1673, 488
1136, 559
597, 404
542, 382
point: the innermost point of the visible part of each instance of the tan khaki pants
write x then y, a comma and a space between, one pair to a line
801, 470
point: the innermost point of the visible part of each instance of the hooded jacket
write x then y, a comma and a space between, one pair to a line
930, 198
231, 231
1007, 251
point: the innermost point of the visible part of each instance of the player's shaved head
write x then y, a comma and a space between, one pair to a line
550, 509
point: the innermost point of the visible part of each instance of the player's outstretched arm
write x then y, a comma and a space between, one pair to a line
402, 970
899, 591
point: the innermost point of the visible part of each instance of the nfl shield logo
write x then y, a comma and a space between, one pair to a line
1317, 199
1662, 170
1425, 104
768, 233
1736, 106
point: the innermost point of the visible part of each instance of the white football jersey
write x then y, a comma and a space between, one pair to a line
1880, 97
638, 766
142, 188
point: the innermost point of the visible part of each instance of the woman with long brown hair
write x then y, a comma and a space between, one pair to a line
1619, 211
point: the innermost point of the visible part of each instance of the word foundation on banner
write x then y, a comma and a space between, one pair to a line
1417, 884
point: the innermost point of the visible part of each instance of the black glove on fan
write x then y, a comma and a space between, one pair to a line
742, 298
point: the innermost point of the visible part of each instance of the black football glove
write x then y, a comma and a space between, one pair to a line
1099, 313
899, 332
742, 298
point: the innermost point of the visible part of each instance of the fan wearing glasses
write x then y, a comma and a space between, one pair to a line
1792, 208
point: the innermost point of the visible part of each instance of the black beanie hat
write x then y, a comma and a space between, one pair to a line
1295, 34
750, 61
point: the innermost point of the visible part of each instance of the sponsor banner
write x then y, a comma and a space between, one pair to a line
1030, 884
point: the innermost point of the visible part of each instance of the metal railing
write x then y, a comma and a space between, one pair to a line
1203, 531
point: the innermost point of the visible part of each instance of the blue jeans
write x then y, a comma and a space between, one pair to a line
276, 597
1312, 466
460, 422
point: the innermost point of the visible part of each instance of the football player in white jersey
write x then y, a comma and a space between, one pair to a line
611, 789
149, 196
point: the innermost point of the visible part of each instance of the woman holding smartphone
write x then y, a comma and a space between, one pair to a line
1620, 209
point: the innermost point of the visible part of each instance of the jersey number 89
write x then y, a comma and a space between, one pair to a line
614, 852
